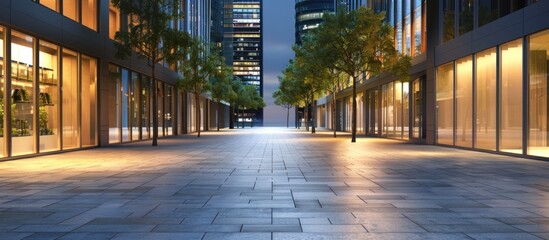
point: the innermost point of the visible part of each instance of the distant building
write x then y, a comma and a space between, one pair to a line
243, 47
308, 15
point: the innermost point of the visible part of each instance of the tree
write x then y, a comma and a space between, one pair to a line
326, 76
293, 85
284, 100
318, 77
360, 42
236, 85
249, 98
149, 34
220, 86
200, 66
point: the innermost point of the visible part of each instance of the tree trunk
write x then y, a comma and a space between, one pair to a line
354, 111
231, 116
155, 106
287, 117
313, 117
217, 114
306, 116
197, 99
334, 114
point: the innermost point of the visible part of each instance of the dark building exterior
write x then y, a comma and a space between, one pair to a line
308, 15
244, 46
62, 88
479, 77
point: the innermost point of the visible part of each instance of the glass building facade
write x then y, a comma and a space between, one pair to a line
478, 78
60, 93
308, 15
48, 96
244, 37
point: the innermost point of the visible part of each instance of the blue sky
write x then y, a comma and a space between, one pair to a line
278, 28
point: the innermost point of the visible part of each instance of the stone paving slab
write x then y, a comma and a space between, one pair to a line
274, 183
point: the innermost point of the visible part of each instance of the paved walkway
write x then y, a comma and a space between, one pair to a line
274, 184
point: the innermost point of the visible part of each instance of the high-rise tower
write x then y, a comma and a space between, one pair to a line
243, 46
308, 15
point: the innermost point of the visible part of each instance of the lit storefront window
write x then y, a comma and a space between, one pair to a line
71, 96
538, 76
3, 96
464, 102
89, 101
52, 97
145, 107
485, 108
510, 120
445, 104
48, 108
22, 94
113, 104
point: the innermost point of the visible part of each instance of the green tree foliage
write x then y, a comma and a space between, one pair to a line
249, 98
220, 86
201, 64
149, 35
326, 78
236, 85
293, 84
283, 99
359, 42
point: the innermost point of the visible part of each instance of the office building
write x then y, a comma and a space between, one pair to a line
244, 47
63, 89
308, 15
478, 78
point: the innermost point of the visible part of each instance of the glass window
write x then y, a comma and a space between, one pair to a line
89, 13
373, 115
125, 93
22, 94
538, 76
71, 100
448, 20
160, 104
406, 109
48, 108
114, 104
71, 9
145, 107
3, 99
168, 115
51, 4
487, 11
89, 101
359, 113
398, 109
511, 97
134, 99
407, 28
114, 20
445, 104
464, 102
418, 18
417, 110
465, 16
490, 10
486, 78
398, 26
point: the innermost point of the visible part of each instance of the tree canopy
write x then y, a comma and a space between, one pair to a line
150, 36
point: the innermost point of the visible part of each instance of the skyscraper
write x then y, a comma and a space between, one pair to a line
243, 46
308, 15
